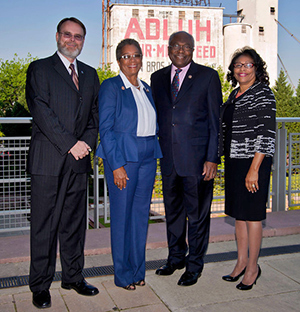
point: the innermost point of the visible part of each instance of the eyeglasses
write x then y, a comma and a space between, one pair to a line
178, 47
240, 65
129, 56
68, 35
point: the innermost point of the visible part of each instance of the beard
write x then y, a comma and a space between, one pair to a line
63, 49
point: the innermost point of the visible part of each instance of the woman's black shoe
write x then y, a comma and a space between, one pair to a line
140, 283
242, 286
130, 287
229, 278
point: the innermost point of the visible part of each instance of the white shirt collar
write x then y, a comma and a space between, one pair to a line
128, 84
67, 63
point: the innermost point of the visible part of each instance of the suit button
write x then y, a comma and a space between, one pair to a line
174, 107
173, 125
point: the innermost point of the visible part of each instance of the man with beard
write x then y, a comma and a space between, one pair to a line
61, 93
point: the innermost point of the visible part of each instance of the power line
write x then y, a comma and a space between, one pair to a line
279, 56
287, 30
286, 71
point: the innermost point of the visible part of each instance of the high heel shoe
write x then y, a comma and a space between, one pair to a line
130, 287
229, 278
242, 286
140, 283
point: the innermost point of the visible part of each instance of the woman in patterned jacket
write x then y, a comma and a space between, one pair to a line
248, 143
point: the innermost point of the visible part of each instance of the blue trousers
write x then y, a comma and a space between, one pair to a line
129, 214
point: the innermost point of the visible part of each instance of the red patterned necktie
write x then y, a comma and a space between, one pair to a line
74, 76
175, 84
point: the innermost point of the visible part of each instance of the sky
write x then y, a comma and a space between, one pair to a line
29, 26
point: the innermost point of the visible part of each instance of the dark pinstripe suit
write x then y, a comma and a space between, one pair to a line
62, 115
188, 136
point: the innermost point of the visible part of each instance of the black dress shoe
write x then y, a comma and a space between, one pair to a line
82, 288
188, 278
242, 286
41, 299
229, 278
169, 268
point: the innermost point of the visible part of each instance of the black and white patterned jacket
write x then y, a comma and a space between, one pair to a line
253, 122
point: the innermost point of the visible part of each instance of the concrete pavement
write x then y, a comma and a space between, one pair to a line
277, 290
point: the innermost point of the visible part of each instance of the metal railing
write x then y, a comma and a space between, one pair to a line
280, 173
15, 183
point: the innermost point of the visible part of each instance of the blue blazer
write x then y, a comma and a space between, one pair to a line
118, 119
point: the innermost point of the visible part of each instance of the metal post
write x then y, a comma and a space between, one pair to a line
106, 206
279, 176
87, 204
96, 193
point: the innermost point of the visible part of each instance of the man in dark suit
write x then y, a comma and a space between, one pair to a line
187, 98
61, 94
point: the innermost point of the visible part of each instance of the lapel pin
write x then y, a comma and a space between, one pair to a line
82, 72
123, 88
147, 90
190, 77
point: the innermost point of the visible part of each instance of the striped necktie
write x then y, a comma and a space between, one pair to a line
175, 84
74, 76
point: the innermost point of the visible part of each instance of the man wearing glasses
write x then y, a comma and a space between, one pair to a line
61, 94
188, 99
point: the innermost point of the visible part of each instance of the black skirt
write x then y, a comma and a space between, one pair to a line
239, 203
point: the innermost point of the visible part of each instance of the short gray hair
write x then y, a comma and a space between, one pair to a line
125, 42
181, 32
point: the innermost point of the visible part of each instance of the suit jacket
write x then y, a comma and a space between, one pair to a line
62, 115
118, 119
189, 127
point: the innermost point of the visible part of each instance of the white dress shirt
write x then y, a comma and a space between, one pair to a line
146, 125
67, 63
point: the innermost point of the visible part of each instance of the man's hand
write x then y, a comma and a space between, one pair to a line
120, 178
80, 150
209, 170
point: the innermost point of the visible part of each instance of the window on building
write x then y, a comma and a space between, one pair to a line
244, 29
261, 30
182, 15
135, 13
197, 15
272, 10
150, 13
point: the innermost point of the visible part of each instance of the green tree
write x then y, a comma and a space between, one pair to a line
283, 92
226, 85
1, 115
12, 94
10, 130
297, 98
286, 102
13, 81
105, 73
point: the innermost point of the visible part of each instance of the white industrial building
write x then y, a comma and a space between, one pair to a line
151, 26
256, 28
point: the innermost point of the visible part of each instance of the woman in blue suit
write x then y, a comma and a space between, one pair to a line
129, 148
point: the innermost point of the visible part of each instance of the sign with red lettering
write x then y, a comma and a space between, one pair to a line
151, 26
